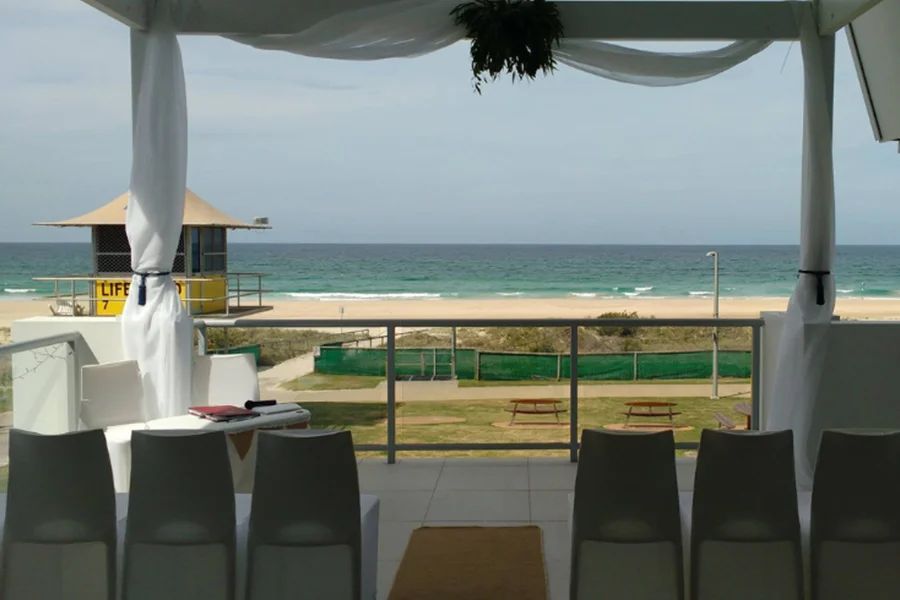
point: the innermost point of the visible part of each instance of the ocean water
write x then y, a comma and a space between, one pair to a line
353, 272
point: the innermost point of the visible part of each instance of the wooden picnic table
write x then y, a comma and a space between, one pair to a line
539, 406
650, 409
745, 409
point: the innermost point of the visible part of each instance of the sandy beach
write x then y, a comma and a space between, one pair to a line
847, 308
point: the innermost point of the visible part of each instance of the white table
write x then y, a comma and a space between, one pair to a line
369, 507
241, 446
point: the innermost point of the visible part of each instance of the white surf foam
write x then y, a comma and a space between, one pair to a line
19, 290
351, 296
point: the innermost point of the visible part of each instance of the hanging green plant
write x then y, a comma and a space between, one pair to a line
515, 36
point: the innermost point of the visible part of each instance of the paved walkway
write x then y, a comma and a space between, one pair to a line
441, 391
287, 370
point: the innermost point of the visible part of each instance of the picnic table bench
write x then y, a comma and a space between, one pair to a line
539, 406
650, 409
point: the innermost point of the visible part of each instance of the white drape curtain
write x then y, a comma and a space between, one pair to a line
156, 329
405, 28
804, 335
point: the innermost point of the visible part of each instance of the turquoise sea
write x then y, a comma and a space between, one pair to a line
346, 272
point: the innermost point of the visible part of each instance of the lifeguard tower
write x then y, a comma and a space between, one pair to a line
200, 270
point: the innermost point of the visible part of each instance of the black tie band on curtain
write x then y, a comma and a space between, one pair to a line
820, 283
142, 289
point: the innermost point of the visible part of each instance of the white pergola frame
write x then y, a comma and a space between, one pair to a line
597, 19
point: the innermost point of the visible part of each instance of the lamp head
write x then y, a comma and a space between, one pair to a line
712, 253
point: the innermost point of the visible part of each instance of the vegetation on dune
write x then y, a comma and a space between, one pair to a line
5, 383
276, 345
5, 373
592, 339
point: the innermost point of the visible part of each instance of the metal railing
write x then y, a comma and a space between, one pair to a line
391, 447
72, 339
81, 297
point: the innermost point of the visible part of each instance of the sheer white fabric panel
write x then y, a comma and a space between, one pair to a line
158, 333
392, 30
407, 28
803, 340
657, 69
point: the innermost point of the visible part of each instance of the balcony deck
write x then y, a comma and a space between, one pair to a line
476, 491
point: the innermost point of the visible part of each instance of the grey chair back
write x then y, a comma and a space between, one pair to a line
855, 520
745, 531
59, 539
305, 519
180, 535
626, 534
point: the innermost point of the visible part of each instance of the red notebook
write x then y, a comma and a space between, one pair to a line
222, 412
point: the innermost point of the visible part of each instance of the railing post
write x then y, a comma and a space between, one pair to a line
238, 278
755, 379
634, 367
391, 397
573, 393
453, 352
202, 340
74, 375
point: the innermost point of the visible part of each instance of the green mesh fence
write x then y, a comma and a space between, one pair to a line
507, 366
408, 362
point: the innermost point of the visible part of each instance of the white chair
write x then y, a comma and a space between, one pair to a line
111, 395
745, 532
305, 536
855, 517
224, 379
626, 532
179, 538
112, 400
59, 539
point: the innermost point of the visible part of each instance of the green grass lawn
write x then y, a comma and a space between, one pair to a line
319, 381
367, 421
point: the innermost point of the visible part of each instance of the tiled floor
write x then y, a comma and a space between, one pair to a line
416, 492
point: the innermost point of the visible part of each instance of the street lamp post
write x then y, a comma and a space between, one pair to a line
715, 336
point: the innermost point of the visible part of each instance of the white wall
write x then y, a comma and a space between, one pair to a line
861, 385
46, 385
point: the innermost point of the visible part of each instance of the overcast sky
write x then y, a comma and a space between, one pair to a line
404, 151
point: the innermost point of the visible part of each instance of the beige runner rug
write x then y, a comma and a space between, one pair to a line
472, 563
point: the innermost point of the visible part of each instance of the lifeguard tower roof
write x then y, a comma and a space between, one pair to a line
197, 213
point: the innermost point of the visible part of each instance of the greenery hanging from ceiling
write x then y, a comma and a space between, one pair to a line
515, 36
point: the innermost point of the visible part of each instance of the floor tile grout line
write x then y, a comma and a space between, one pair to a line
528, 482
434, 490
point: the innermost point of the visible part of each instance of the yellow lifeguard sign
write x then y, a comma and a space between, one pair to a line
206, 296
200, 269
